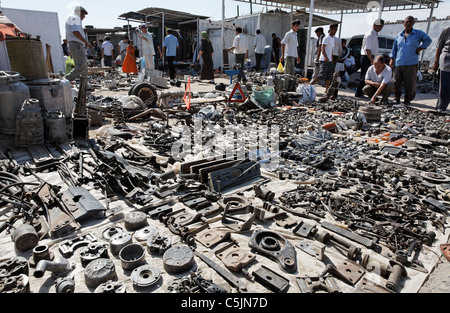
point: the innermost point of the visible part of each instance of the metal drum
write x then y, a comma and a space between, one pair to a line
26, 56
12, 95
50, 93
55, 127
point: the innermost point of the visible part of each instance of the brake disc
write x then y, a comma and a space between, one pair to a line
145, 233
110, 232
435, 177
145, 275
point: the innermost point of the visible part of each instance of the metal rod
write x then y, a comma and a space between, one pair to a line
381, 9
428, 30
308, 42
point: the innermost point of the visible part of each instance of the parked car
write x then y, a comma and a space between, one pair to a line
385, 47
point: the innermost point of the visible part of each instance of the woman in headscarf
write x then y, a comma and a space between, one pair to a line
129, 64
206, 53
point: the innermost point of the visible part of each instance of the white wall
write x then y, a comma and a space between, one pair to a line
43, 24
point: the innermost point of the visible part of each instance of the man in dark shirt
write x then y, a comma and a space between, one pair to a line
65, 47
276, 44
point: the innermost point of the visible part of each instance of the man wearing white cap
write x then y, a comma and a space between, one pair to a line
369, 51
148, 50
77, 43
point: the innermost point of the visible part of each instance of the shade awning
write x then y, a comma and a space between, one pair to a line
152, 15
347, 6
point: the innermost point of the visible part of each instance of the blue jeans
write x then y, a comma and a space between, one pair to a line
444, 90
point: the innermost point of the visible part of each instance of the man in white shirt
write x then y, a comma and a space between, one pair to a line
77, 43
260, 46
148, 49
369, 51
350, 64
289, 48
107, 52
240, 48
326, 57
378, 81
123, 44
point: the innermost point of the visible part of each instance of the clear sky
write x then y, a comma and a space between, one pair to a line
104, 14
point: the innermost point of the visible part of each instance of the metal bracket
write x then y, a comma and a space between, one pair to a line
270, 279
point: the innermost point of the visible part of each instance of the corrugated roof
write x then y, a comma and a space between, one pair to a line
347, 6
152, 15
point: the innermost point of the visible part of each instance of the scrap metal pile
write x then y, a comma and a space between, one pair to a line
356, 203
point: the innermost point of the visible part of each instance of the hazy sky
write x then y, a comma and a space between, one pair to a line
104, 14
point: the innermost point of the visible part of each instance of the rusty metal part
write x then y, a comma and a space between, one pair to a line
317, 284
41, 252
304, 229
158, 244
93, 251
25, 237
397, 271
350, 235
145, 233
68, 247
81, 203
14, 267
111, 287
264, 193
178, 259
58, 266
234, 257
145, 276
98, 272
271, 280
206, 285
15, 284
313, 248
135, 220
132, 256
109, 232
65, 285
276, 247
210, 237
268, 212
352, 251
348, 271
236, 203
60, 222
120, 240
237, 224
229, 277
367, 286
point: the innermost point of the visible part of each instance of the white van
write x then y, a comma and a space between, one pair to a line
385, 47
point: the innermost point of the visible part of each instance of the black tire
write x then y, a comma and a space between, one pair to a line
146, 92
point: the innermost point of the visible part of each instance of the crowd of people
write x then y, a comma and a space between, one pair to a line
333, 60
78, 50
